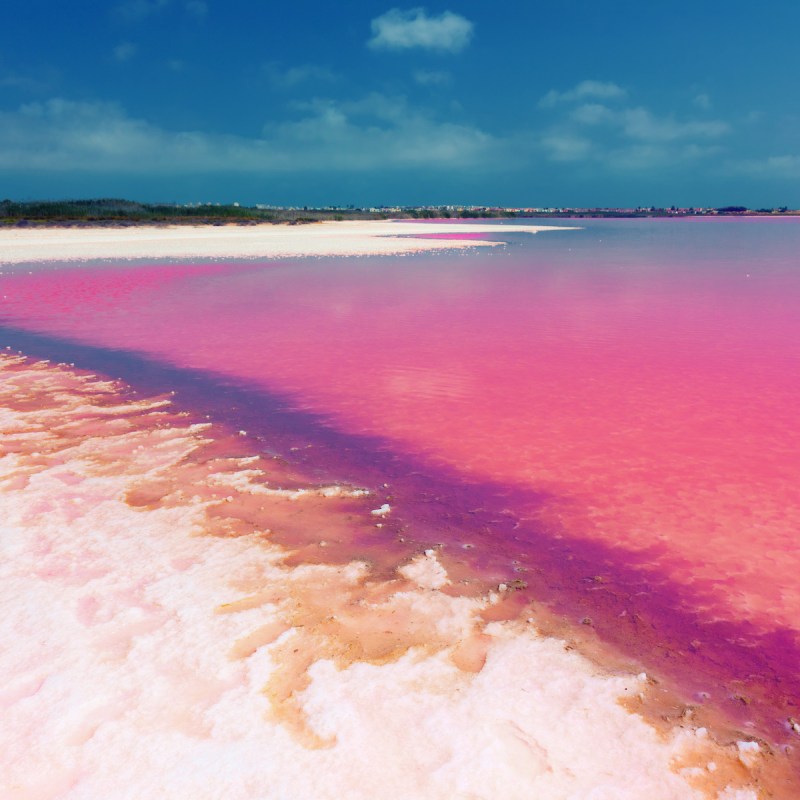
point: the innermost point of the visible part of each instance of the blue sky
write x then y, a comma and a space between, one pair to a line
513, 103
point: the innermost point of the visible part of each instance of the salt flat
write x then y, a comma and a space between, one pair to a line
235, 241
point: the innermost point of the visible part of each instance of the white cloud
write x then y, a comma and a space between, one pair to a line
426, 77
639, 123
377, 132
617, 152
592, 114
585, 90
403, 30
584, 109
625, 138
370, 134
125, 51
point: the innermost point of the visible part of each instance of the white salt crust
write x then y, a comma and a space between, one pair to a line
118, 681
263, 241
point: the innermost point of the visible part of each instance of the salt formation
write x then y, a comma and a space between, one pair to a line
366, 237
158, 644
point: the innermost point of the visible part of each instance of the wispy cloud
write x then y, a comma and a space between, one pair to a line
702, 101
373, 133
289, 77
585, 90
649, 157
592, 114
125, 51
403, 30
641, 124
426, 77
135, 10
199, 8
782, 166
23, 83
564, 146
380, 132
623, 137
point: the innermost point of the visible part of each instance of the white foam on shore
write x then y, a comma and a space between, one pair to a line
144, 660
368, 237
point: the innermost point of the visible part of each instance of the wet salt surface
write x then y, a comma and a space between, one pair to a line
164, 646
604, 427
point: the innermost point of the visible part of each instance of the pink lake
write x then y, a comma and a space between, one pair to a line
609, 413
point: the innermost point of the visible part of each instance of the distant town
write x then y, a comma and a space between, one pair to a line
110, 211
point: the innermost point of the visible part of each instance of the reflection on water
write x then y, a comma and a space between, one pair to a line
628, 391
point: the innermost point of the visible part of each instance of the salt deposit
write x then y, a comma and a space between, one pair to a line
263, 241
150, 651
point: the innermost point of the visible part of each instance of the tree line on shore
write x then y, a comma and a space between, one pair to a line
110, 211
122, 212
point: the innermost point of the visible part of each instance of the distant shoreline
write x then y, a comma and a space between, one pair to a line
124, 213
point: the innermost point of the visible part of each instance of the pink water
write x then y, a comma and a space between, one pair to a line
619, 403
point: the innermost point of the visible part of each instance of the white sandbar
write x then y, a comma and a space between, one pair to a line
236, 241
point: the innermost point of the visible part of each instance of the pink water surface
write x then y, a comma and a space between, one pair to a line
640, 376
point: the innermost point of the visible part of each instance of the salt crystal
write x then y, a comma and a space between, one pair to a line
748, 752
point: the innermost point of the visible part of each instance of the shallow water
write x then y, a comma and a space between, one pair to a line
604, 417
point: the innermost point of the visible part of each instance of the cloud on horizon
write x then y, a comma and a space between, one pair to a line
782, 166
621, 137
375, 133
405, 30
374, 136
641, 124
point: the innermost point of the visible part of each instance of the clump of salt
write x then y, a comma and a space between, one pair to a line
748, 753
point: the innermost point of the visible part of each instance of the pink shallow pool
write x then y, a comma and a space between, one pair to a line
609, 413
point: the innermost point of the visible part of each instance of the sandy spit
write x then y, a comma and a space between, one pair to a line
263, 241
